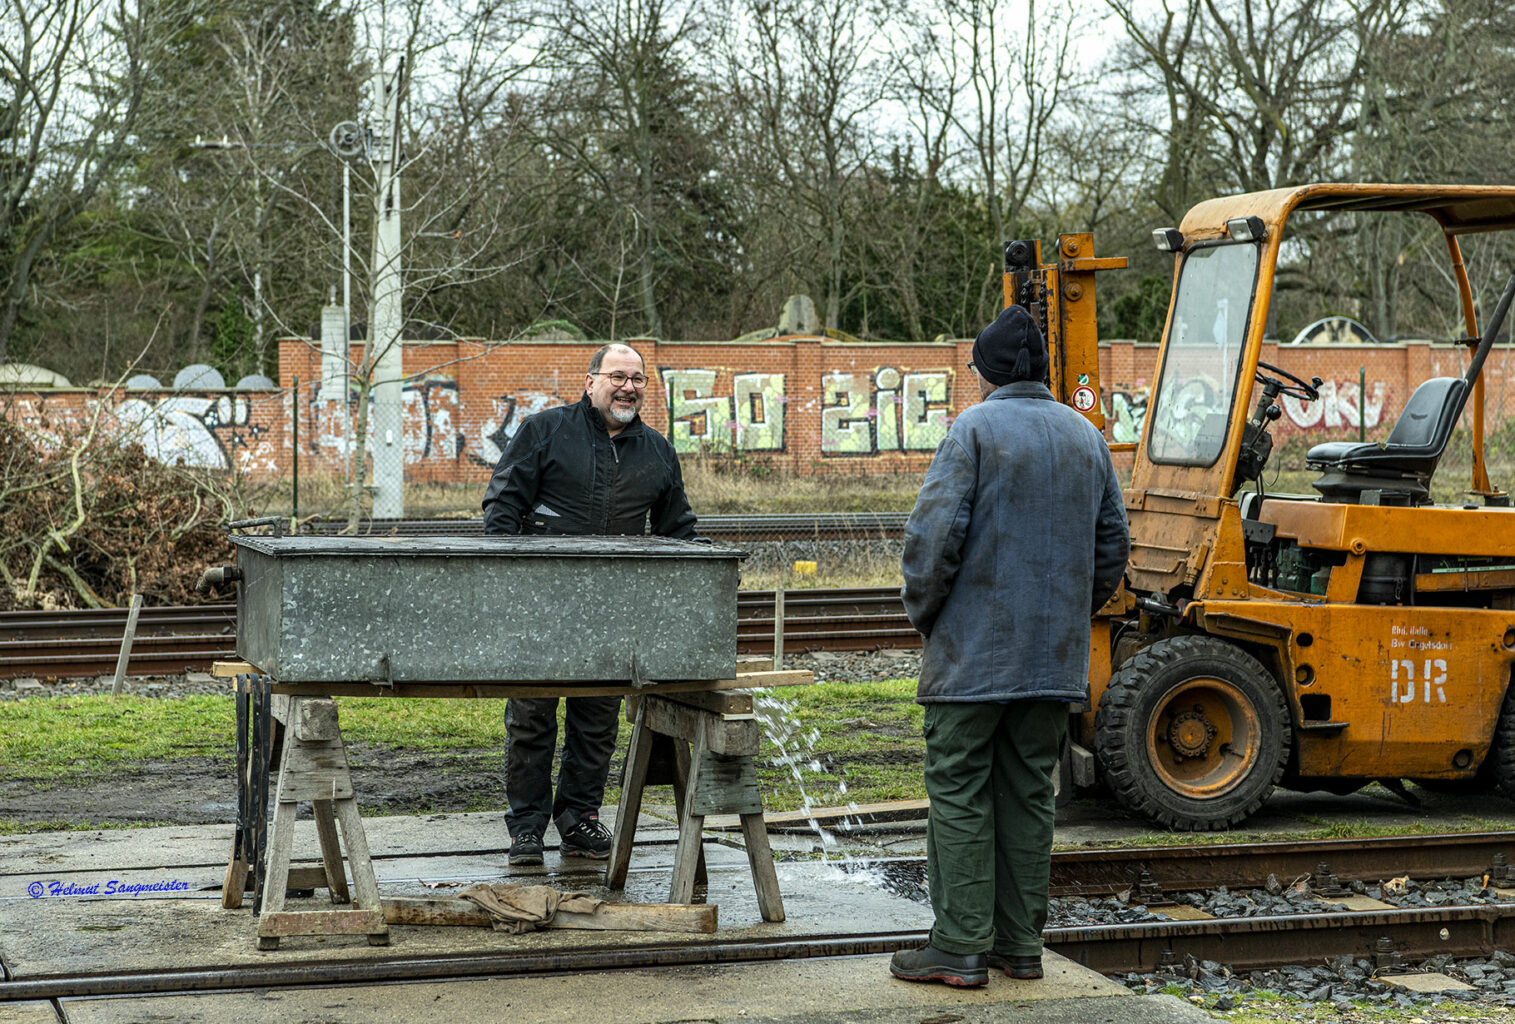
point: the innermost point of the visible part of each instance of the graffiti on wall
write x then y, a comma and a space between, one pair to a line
1127, 411
431, 417
506, 413
862, 413
206, 432
750, 419
1338, 407
886, 411
197, 431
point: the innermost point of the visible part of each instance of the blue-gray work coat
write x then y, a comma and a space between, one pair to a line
1018, 535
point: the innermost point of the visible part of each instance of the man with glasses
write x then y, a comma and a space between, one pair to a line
589, 468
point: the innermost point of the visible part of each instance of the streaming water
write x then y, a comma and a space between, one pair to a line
793, 748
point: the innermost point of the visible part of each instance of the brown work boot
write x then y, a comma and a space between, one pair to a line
931, 964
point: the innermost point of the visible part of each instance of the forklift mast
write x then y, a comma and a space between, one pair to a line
1060, 298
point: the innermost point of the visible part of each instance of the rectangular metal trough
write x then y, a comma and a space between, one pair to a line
486, 609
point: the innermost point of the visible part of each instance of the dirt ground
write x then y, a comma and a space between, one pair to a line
198, 791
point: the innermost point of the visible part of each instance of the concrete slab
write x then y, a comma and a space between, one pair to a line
812, 990
1432, 982
64, 935
1356, 902
63, 854
28, 1013
1183, 912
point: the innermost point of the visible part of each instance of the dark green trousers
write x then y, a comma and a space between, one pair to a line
989, 772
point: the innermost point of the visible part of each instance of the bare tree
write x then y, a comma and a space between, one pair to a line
72, 74
809, 79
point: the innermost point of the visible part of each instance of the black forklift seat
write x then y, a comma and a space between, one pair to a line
1400, 468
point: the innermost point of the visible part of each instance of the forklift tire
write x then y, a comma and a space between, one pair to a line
1502, 754
1193, 733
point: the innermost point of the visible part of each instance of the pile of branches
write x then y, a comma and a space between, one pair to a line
88, 521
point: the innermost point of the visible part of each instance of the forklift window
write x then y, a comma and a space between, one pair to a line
1204, 349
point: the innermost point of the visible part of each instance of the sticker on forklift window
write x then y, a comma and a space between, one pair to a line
1084, 398
1429, 673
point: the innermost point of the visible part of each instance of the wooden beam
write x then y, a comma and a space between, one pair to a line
746, 681
608, 917
894, 810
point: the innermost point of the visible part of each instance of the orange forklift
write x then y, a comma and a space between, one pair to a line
1321, 641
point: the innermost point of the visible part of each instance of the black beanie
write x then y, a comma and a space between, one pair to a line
1010, 349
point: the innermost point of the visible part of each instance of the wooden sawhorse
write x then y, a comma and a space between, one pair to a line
313, 768
703, 745
713, 716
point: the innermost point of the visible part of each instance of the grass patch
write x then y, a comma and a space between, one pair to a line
1271, 1007
867, 738
63, 737
10, 827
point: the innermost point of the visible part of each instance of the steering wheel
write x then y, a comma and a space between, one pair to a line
1296, 387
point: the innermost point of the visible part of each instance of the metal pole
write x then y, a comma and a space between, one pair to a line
294, 502
346, 314
386, 316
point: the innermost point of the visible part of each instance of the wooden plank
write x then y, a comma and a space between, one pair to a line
127, 638
681, 762
893, 810
740, 736
753, 663
315, 718
760, 858
746, 681
315, 771
687, 854
633, 781
320, 922
728, 785
608, 917
361, 862
730, 704
231, 669
334, 874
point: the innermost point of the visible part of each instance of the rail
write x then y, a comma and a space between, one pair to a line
173, 639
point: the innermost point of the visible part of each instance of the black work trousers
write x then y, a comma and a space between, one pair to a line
590, 726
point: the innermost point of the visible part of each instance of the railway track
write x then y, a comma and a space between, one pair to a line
175, 639
1384, 937
768, 527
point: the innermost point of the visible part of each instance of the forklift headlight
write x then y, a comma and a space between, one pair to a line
1168, 239
1246, 229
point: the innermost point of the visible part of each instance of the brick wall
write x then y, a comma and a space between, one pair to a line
802, 403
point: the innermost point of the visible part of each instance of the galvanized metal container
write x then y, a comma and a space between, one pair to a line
486, 609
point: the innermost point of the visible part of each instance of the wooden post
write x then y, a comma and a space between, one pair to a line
778, 626
126, 644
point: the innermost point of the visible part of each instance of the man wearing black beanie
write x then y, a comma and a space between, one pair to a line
1018, 535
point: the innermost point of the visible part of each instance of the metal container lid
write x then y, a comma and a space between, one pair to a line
484, 547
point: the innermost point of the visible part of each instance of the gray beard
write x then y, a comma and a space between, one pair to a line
622, 416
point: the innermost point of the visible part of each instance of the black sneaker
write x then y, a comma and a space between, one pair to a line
525, 850
931, 964
588, 839
1022, 968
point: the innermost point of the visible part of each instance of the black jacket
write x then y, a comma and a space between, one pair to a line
564, 474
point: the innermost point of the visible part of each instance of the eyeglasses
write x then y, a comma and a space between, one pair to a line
973, 369
620, 380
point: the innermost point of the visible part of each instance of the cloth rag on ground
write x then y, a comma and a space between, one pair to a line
518, 909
